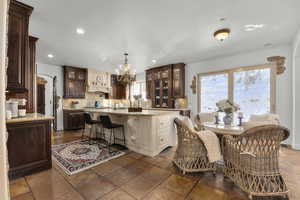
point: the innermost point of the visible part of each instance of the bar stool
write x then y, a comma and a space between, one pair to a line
107, 124
93, 123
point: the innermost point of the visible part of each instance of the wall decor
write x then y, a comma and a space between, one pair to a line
280, 61
193, 86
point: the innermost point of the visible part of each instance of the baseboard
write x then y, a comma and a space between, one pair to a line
296, 147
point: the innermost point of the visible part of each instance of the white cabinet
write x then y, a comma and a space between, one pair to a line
147, 135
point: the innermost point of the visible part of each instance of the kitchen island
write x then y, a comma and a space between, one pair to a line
148, 132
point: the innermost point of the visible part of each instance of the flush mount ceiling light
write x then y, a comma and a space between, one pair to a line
222, 34
153, 61
50, 56
80, 31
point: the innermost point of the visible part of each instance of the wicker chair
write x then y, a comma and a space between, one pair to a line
191, 154
251, 160
203, 117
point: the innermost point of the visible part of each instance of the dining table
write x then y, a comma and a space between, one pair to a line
222, 129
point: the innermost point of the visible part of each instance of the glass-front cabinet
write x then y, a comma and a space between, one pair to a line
160, 85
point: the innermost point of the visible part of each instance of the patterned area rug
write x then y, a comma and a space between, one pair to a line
78, 156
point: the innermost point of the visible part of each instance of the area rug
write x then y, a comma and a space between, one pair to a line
78, 156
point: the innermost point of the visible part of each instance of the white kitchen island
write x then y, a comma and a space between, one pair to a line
148, 132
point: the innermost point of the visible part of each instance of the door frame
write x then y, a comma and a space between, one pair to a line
4, 189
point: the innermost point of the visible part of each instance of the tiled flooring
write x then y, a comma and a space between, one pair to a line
134, 176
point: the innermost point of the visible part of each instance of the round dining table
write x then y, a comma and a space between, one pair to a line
222, 129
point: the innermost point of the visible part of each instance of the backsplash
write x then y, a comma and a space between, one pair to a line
91, 97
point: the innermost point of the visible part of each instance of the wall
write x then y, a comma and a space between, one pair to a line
141, 76
51, 71
284, 81
3, 151
296, 93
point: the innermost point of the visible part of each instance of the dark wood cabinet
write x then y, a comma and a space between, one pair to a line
18, 45
164, 84
178, 80
73, 119
31, 75
118, 90
29, 147
21, 52
74, 82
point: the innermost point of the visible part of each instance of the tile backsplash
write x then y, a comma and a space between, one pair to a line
90, 99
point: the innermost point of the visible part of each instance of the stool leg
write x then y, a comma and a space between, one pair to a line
124, 139
82, 134
111, 133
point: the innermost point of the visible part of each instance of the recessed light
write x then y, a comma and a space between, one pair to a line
154, 61
80, 31
268, 45
50, 56
249, 29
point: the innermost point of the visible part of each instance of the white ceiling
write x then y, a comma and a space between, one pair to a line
166, 30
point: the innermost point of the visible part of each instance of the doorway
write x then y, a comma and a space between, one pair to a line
47, 99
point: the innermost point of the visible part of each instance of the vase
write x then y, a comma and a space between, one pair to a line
228, 118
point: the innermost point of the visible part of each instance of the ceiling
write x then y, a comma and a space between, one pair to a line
168, 31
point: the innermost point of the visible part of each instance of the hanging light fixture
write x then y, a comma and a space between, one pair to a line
222, 34
126, 75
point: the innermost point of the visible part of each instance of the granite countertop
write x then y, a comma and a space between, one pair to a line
30, 117
167, 109
125, 112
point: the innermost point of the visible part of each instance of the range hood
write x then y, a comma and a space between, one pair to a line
98, 81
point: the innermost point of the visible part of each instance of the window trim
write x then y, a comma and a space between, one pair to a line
230, 73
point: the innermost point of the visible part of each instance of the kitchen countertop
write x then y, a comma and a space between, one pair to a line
125, 112
167, 109
30, 117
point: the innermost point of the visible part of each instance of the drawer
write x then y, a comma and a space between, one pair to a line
164, 124
162, 140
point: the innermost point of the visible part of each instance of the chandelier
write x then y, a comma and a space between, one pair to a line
125, 74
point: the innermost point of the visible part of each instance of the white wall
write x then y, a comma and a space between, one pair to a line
3, 151
141, 76
51, 71
284, 81
296, 91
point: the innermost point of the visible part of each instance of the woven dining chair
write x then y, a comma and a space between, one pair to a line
191, 154
251, 160
201, 118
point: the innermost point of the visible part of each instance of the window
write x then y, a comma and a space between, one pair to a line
213, 89
138, 88
253, 88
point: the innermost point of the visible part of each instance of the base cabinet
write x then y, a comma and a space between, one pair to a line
73, 119
29, 147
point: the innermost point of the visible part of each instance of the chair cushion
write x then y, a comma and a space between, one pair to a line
187, 121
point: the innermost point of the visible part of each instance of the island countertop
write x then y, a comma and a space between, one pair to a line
125, 112
30, 117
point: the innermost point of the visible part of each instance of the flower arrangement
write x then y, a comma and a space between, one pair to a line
227, 106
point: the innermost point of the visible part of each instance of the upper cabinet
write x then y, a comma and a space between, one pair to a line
18, 45
74, 82
165, 84
178, 74
118, 91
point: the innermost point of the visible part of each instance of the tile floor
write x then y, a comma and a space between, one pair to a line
135, 176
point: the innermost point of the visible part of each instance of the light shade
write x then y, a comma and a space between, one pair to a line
222, 34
